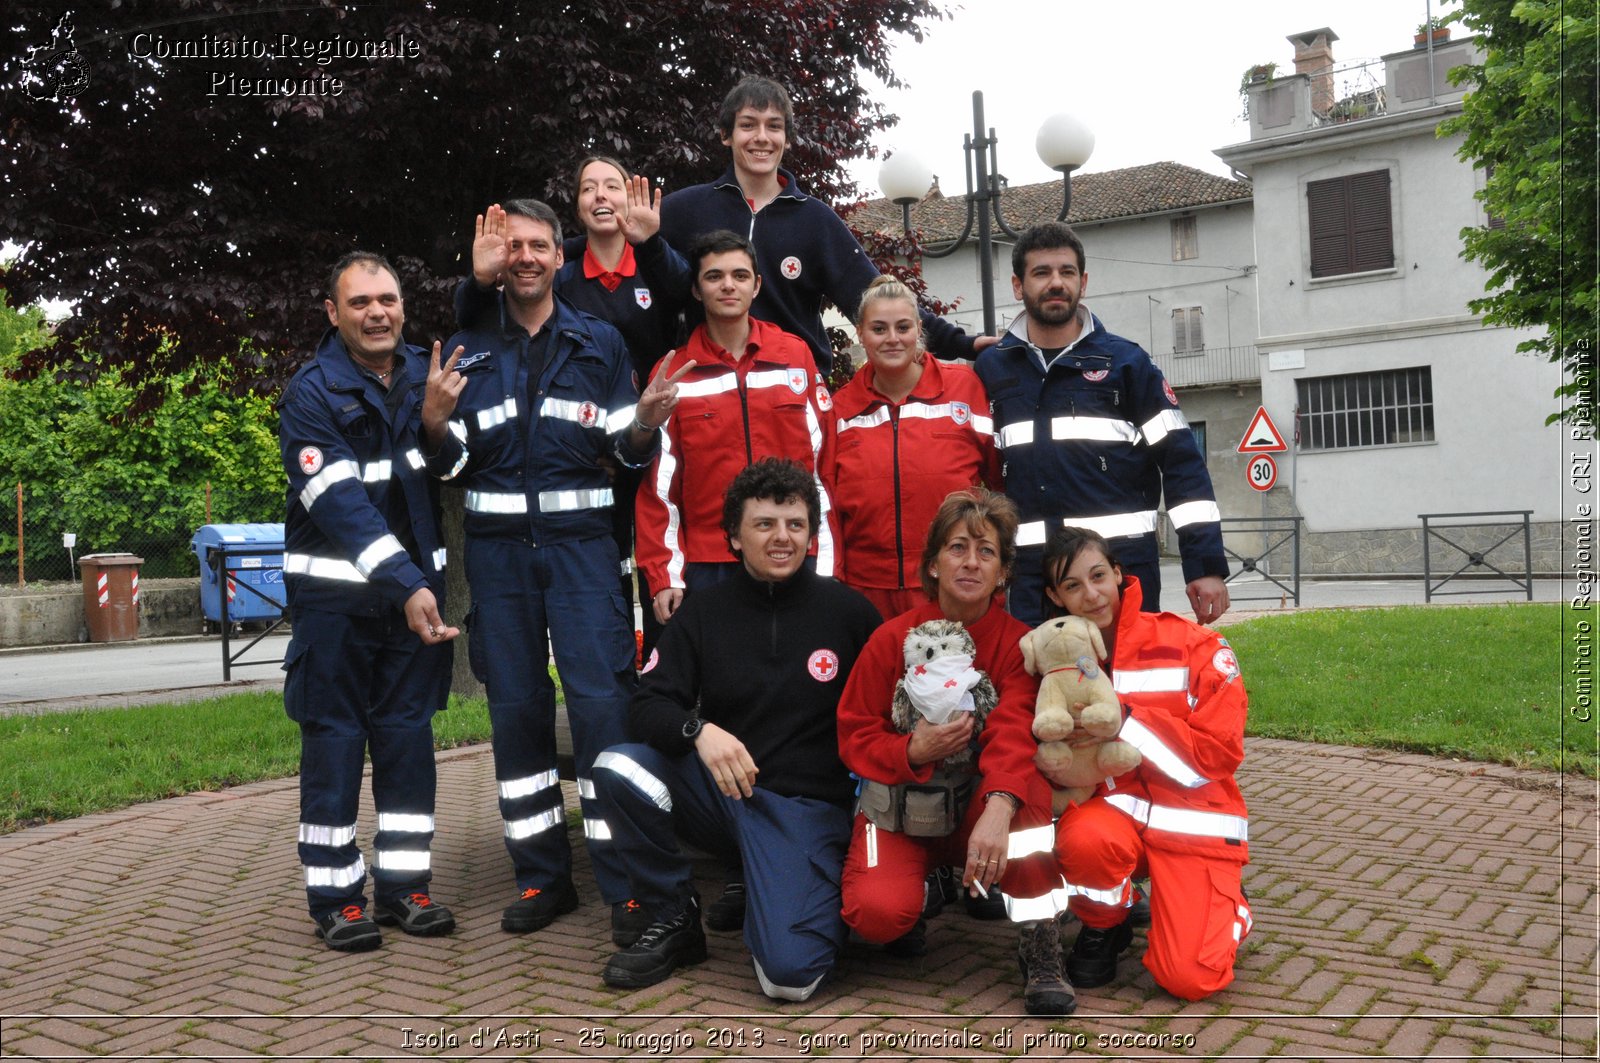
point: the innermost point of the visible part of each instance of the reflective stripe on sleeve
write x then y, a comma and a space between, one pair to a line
318, 834
511, 789
1187, 513
336, 877
641, 780
339, 470
414, 458
617, 420
1160, 755
321, 568
377, 472
381, 550
1157, 427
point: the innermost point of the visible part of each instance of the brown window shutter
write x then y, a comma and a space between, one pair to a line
1371, 226
1329, 230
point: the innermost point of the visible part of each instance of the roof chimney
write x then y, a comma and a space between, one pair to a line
1313, 55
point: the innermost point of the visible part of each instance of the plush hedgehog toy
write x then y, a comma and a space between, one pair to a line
940, 682
1074, 694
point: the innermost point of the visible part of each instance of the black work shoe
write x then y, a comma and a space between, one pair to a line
416, 914
727, 911
990, 907
348, 930
912, 943
537, 908
628, 921
1139, 910
1093, 959
939, 889
666, 945
1045, 991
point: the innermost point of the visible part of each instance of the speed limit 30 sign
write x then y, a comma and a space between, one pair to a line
1263, 472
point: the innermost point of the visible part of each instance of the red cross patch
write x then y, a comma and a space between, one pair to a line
1096, 375
655, 659
642, 297
823, 665
960, 412
824, 400
1166, 387
790, 267
588, 414
310, 460
1225, 662
797, 381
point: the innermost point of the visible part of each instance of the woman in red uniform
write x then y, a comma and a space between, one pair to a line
970, 547
910, 429
1178, 816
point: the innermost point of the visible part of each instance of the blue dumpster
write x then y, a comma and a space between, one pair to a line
252, 557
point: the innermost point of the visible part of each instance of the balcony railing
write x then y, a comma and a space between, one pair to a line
1210, 367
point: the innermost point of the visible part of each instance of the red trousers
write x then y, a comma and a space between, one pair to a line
885, 870
1198, 913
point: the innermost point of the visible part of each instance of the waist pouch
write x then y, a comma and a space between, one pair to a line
933, 809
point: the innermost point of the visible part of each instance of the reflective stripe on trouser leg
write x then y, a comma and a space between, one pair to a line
403, 777
793, 850
643, 795
1100, 850
330, 792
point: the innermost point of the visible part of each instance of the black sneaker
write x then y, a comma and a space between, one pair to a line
1045, 990
912, 943
537, 908
348, 930
415, 913
727, 911
986, 908
939, 889
628, 921
666, 945
1139, 910
1093, 959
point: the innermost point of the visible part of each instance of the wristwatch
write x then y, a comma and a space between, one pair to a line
691, 727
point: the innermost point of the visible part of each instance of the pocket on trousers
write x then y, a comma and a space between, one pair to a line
1225, 926
294, 679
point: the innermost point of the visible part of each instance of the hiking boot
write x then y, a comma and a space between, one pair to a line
939, 889
727, 911
912, 943
1093, 959
538, 908
348, 930
1044, 990
416, 914
666, 945
628, 921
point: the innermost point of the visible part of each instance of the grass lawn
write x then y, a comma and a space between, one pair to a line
66, 764
1478, 683
1474, 682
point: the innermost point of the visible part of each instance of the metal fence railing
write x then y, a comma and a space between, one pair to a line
1270, 536
1471, 539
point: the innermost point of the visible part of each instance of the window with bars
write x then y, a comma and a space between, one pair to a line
1185, 238
1187, 335
1385, 408
1352, 230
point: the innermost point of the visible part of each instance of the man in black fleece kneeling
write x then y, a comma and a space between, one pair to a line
737, 747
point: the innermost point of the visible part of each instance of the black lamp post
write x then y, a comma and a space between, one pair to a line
1063, 143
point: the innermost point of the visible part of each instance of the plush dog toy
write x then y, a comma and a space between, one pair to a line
940, 682
1074, 693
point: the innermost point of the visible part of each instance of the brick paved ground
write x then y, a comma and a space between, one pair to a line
1404, 906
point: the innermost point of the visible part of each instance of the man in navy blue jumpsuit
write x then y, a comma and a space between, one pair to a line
736, 748
547, 397
369, 663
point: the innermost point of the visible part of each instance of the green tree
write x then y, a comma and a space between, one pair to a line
1529, 120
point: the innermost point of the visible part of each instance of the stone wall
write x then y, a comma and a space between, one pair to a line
49, 614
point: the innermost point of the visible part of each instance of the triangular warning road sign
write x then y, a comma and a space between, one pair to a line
1262, 437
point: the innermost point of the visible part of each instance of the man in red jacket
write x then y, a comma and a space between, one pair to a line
752, 391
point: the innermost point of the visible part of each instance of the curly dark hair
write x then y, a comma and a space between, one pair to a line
776, 479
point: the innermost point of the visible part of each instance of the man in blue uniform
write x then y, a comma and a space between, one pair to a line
1092, 436
736, 746
545, 396
369, 663
804, 252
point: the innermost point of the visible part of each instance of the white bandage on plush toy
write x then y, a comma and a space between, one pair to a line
942, 687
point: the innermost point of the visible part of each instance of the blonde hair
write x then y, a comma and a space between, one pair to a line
886, 287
